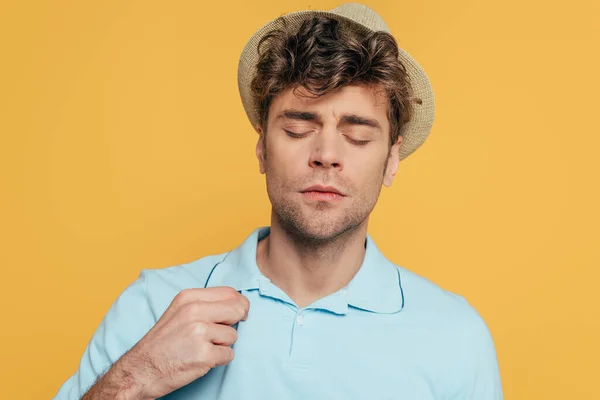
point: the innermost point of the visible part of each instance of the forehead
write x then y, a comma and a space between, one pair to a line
361, 100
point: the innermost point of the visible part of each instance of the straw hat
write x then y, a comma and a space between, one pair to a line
363, 18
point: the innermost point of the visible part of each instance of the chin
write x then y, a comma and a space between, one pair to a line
316, 223
318, 228
319, 233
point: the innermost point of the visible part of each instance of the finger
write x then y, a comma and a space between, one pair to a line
245, 305
226, 312
222, 355
207, 294
221, 334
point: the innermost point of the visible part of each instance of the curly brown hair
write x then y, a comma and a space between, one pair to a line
324, 55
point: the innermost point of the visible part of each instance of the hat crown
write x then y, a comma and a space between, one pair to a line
363, 15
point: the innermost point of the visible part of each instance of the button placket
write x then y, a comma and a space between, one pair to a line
300, 344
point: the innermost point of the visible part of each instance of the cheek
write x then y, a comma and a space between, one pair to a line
368, 172
284, 163
279, 174
372, 183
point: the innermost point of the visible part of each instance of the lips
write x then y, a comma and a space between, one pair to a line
322, 193
322, 189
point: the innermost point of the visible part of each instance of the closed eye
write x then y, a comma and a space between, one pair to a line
295, 135
357, 142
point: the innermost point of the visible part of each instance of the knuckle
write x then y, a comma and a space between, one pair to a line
206, 348
229, 293
205, 351
200, 329
182, 296
245, 303
191, 310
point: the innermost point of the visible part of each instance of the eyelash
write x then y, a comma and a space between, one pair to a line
301, 135
358, 142
294, 134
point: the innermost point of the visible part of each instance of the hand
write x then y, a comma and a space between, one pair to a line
192, 336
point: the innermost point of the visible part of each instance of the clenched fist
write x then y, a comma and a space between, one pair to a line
192, 336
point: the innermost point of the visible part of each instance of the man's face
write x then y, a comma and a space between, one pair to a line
326, 159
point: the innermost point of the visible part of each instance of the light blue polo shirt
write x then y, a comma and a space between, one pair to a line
389, 334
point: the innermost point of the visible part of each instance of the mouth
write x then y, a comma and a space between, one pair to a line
322, 193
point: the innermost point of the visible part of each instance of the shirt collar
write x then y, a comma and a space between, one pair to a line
239, 269
376, 287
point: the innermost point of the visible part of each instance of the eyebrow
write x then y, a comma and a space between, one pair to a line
347, 119
352, 119
300, 115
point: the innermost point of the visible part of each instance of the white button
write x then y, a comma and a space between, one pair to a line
300, 320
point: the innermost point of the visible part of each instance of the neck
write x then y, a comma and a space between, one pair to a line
307, 270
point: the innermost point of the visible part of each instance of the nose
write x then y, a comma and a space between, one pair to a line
327, 150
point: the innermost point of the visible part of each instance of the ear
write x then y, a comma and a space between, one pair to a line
260, 148
392, 163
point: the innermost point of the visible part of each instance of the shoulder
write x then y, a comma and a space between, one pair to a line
452, 314
163, 284
147, 297
456, 330
453, 332
424, 296
184, 276
144, 301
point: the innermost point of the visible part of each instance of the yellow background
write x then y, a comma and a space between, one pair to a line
123, 146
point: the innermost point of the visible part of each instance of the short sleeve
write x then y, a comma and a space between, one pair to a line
481, 374
127, 321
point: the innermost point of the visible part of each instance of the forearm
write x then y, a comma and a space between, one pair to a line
119, 383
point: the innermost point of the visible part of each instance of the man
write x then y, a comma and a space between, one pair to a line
307, 308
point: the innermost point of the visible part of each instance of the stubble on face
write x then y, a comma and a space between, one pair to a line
359, 173
316, 224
